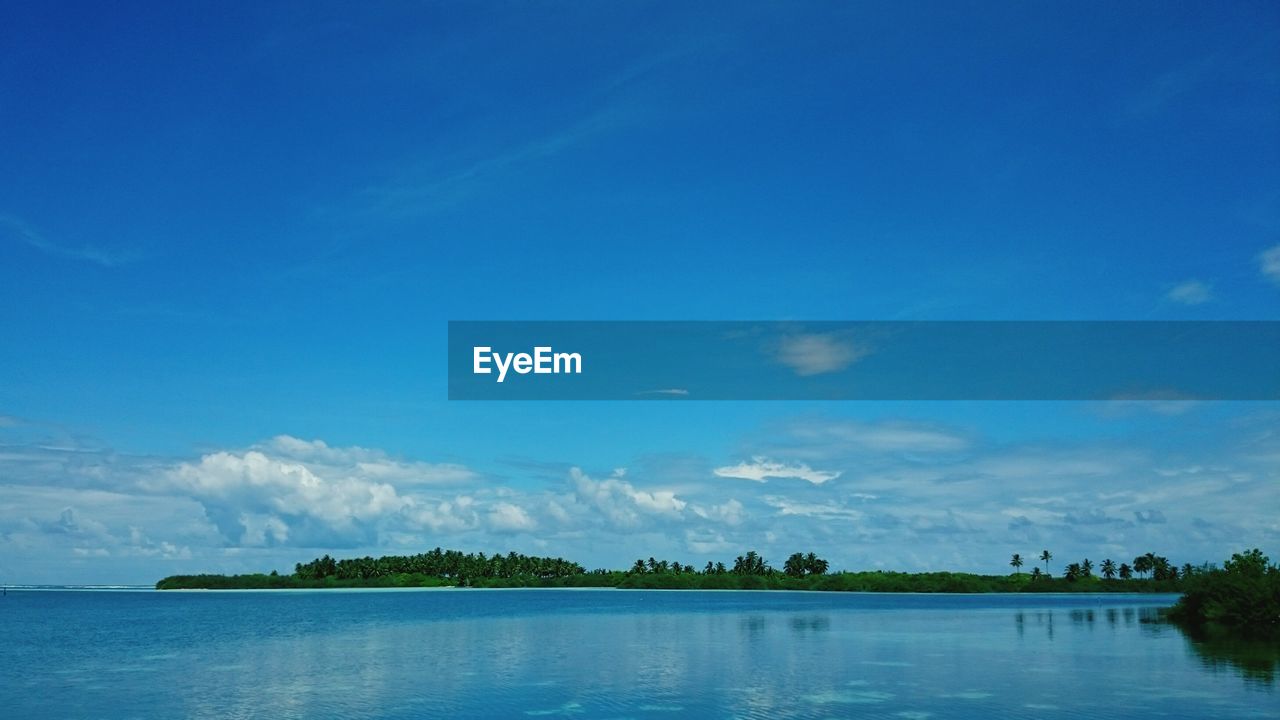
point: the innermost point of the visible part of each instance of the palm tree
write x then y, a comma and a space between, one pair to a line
1143, 563
815, 565
794, 566
1046, 556
1035, 573
1086, 568
1108, 569
1161, 569
818, 566
1126, 572
1016, 562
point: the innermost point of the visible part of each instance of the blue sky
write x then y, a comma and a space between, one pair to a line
231, 238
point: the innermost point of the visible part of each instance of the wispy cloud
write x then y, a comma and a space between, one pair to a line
674, 392
910, 495
18, 231
446, 189
1190, 292
1269, 263
760, 469
1167, 88
888, 437
435, 187
819, 353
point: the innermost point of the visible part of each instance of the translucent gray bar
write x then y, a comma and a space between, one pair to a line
974, 360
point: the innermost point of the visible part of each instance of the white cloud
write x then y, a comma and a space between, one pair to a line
18, 230
620, 501
368, 463
293, 491
708, 543
912, 495
760, 469
880, 437
261, 530
505, 517
730, 512
292, 488
819, 353
1269, 262
444, 516
1190, 292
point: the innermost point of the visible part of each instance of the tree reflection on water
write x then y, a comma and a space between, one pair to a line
1218, 649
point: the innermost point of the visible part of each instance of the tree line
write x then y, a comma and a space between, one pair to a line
445, 564
798, 565
1243, 597
748, 571
1147, 566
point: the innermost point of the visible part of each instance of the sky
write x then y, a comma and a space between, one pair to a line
232, 237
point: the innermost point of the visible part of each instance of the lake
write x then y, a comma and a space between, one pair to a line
614, 654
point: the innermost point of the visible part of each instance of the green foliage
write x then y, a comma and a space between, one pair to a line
259, 581
751, 564
1244, 594
800, 565
750, 571
465, 569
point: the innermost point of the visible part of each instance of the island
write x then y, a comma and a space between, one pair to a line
1149, 573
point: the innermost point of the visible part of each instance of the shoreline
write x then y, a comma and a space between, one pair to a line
446, 588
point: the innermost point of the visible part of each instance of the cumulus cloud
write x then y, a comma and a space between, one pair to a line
1190, 292
620, 501
731, 512
369, 463
447, 516
911, 495
819, 353
246, 490
760, 469
261, 529
505, 517
293, 491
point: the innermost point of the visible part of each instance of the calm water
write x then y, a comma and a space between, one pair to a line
613, 654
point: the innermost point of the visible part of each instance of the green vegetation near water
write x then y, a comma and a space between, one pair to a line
1244, 593
439, 568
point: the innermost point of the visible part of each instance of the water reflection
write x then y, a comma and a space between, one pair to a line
1257, 661
1218, 650
1041, 619
753, 626
810, 623
602, 655
1088, 617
